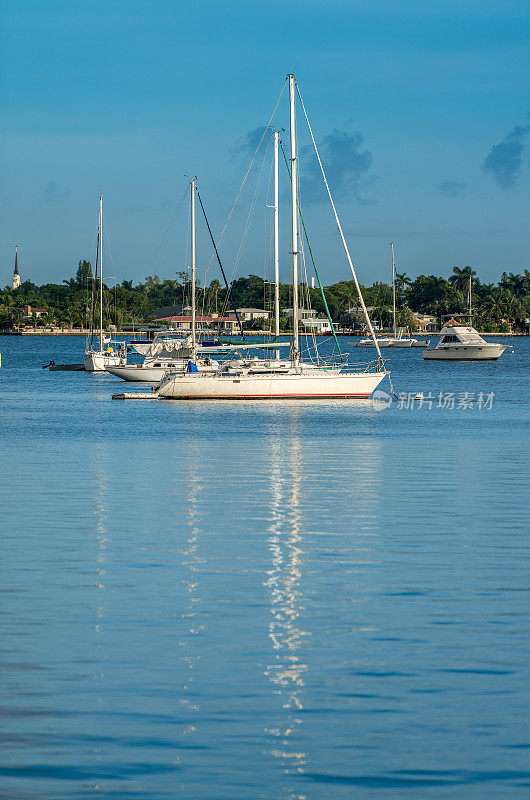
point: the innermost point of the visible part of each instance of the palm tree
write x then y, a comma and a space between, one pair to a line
462, 279
402, 280
215, 286
496, 304
151, 283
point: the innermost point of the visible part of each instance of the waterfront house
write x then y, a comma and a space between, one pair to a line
310, 320
183, 322
317, 324
30, 311
425, 323
250, 314
303, 313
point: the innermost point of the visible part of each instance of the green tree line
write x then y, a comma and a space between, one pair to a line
495, 306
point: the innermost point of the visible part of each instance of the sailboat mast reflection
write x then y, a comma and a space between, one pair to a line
191, 563
285, 540
101, 513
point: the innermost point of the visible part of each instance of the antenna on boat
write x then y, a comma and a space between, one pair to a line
393, 288
193, 270
294, 216
276, 245
101, 273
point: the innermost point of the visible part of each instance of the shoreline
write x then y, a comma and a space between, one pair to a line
125, 334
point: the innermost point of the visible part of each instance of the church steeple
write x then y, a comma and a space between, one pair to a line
16, 275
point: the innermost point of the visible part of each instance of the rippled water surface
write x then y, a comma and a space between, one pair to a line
280, 600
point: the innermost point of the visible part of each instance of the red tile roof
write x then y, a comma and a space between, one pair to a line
197, 319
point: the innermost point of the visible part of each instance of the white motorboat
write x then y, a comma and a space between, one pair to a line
463, 343
99, 350
292, 378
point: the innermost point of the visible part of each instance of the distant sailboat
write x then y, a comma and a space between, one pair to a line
99, 353
397, 339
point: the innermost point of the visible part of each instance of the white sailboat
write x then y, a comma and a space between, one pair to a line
160, 359
293, 378
98, 358
397, 339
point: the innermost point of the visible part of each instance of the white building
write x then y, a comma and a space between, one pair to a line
317, 324
303, 313
309, 320
425, 323
250, 314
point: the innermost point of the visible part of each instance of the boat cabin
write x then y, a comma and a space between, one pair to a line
459, 334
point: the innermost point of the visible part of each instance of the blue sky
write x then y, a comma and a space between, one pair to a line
422, 110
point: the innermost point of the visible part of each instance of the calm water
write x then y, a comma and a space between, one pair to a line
298, 600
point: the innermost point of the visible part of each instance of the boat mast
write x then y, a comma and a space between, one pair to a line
276, 245
101, 273
469, 297
393, 288
294, 217
193, 308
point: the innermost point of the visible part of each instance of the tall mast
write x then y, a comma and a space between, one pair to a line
193, 308
294, 216
101, 273
276, 245
393, 288
469, 296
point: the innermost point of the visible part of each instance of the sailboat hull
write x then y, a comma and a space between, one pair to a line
100, 361
268, 387
486, 352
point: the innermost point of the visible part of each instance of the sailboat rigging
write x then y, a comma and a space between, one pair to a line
397, 339
293, 377
98, 358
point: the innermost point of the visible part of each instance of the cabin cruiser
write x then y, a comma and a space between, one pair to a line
463, 343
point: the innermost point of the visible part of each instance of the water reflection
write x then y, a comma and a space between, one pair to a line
192, 562
286, 672
101, 513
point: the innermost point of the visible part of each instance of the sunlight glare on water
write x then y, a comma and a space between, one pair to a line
277, 600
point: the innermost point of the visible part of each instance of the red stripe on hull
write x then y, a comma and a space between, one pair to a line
269, 397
